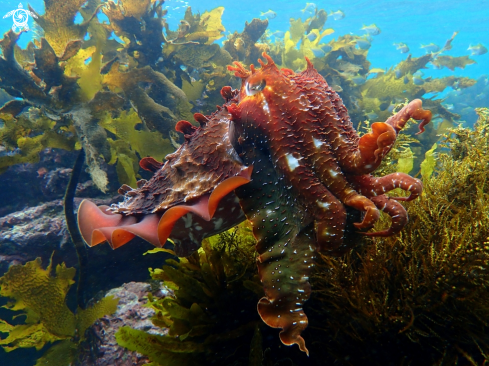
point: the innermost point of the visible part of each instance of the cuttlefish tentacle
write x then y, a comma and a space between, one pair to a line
371, 186
355, 155
329, 213
395, 210
413, 110
325, 166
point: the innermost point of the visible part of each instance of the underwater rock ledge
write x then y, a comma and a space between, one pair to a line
101, 348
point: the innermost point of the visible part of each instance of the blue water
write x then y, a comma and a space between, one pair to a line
413, 22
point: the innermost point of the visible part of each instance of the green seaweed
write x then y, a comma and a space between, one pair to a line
41, 298
66, 79
429, 163
131, 141
202, 326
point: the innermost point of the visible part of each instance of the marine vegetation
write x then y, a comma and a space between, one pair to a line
41, 298
204, 328
98, 93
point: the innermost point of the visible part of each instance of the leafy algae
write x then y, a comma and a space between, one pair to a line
202, 324
41, 297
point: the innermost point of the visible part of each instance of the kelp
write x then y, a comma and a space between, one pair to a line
58, 22
62, 78
140, 25
85, 66
292, 55
157, 116
40, 295
213, 308
18, 84
243, 46
451, 62
204, 29
16, 138
131, 140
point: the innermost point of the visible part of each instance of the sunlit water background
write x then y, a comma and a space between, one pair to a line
413, 22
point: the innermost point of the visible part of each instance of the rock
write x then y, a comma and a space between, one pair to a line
101, 348
29, 185
37, 232
41, 231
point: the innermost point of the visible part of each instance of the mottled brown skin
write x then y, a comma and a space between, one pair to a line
189, 197
324, 166
312, 141
201, 163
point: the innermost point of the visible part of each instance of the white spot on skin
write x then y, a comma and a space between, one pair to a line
265, 107
323, 204
304, 278
218, 224
333, 173
188, 220
368, 166
292, 162
317, 143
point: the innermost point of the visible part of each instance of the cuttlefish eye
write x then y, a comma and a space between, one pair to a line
254, 87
